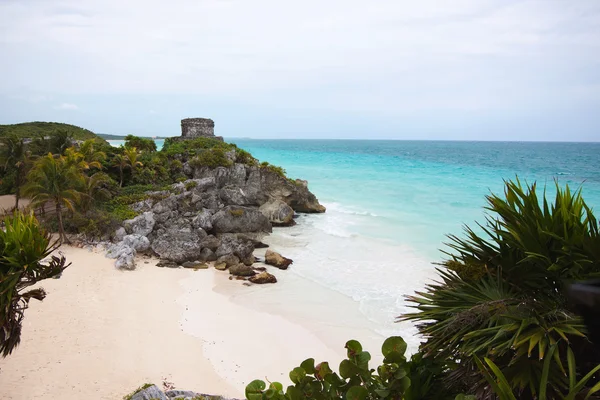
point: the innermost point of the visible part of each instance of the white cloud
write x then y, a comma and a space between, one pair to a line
66, 106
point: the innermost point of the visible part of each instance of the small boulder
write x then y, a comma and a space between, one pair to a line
211, 242
202, 220
141, 225
141, 244
120, 234
195, 265
241, 270
241, 248
277, 260
167, 264
263, 277
126, 259
179, 245
221, 266
278, 213
229, 260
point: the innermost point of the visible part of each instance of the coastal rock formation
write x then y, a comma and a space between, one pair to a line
219, 212
277, 260
263, 277
278, 212
154, 393
241, 270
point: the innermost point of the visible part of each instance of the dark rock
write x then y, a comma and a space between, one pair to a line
211, 242
240, 219
228, 259
221, 266
263, 277
278, 213
277, 260
241, 270
179, 245
167, 264
233, 195
242, 248
208, 255
194, 264
261, 269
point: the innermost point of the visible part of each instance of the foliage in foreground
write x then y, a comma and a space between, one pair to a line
355, 381
23, 246
502, 295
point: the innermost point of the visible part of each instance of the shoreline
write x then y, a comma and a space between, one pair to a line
107, 332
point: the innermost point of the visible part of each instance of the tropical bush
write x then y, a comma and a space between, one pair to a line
502, 295
24, 246
211, 158
142, 144
355, 381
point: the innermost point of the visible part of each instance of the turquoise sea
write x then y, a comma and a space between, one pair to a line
391, 203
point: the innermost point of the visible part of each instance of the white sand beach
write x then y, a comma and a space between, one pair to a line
101, 332
7, 203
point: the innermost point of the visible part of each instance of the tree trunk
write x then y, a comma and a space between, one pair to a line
61, 228
121, 175
18, 190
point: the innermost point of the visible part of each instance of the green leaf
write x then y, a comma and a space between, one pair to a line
323, 369
308, 365
297, 374
357, 393
348, 369
293, 393
394, 344
254, 390
353, 347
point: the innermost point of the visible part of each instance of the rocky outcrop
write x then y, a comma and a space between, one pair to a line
277, 260
263, 277
278, 212
154, 393
240, 219
223, 211
241, 270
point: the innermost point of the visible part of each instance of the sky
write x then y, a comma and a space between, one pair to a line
368, 69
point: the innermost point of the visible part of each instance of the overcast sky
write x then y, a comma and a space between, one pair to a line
461, 69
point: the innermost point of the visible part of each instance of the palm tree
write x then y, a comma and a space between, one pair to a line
93, 157
60, 141
53, 179
503, 293
95, 188
14, 156
129, 159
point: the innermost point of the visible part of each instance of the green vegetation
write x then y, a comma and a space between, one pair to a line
278, 170
23, 246
142, 144
236, 213
14, 159
30, 130
211, 158
501, 298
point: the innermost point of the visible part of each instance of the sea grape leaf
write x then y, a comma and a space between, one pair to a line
357, 393
255, 389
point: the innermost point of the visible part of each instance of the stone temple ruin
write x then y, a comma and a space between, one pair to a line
192, 128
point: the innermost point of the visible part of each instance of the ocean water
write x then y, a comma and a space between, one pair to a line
391, 203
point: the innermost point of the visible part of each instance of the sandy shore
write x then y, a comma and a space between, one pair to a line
7, 202
102, 332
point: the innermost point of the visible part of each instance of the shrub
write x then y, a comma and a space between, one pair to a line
354, 381
176, 146
275, 169
23, 246
190, 185
243, 157
142, 144
212, 158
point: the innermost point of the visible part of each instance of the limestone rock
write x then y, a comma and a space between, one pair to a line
202, 220
167, 264
233, 195
120, 234
141, 225
194, 264
240, 219
211, 242
241, 270
141, 244
179, 245
263, 277
220, 266
150, 393
207, 254
242, 248
277, 260
126, 259
229, 260
278, 213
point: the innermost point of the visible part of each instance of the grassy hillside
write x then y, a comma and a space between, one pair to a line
33, 129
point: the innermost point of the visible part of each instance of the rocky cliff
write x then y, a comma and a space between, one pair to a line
219, 214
